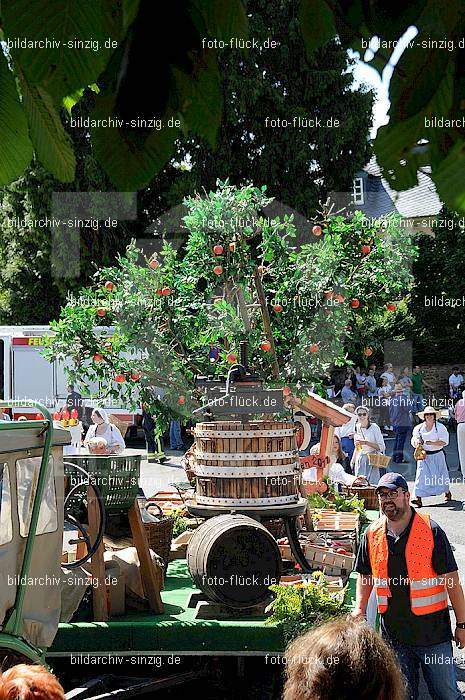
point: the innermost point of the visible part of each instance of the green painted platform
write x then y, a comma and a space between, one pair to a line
176, 631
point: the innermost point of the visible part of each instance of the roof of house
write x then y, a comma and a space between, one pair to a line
421, 200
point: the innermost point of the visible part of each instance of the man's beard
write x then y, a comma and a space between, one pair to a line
392, 511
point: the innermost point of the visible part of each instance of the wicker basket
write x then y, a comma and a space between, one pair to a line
377, 459
160, 534
367, 494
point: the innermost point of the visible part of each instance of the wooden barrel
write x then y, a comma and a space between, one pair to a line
233, 559
246, 464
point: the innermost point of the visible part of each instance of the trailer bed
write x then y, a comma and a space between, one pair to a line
176, 631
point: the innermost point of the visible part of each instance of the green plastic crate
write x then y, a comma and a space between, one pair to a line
117, 477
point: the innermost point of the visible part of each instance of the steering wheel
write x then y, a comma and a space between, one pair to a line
74, 522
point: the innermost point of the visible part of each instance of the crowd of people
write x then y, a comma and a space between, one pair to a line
386, 405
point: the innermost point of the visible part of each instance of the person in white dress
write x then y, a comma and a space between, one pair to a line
368, 438
345, 432
389, 375
334, 470
102, 428
432, 477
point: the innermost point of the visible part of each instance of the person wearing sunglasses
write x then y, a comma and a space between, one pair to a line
432, 476
367, 438
407, 560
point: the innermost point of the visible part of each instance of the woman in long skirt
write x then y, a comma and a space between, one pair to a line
368, 438
432, 477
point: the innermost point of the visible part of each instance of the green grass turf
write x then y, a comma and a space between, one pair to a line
176, 630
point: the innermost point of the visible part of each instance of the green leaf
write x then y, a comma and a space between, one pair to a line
449, 177
224, 19
130, 10
200, 98
316, 24
130, 162
51, 143
398, 140
416, 79
59, 63
15, 145
70, 100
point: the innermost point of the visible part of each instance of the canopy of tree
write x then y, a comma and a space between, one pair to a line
178, 44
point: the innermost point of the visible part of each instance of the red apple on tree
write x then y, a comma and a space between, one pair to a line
120, 378
218, 249
277, 308
153, 263
231, 357
314, 347
265, 345
232, 246
97, 357
366, 249
136, 375
339, 298
101, 312
181, 400
218, 270
165, 291
368, 351
286, 391
391, 306
109, 286
354, 303
317, 230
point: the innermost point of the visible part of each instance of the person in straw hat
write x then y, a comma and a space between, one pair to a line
367, 438
432, 477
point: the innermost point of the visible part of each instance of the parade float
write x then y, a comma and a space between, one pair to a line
220, 335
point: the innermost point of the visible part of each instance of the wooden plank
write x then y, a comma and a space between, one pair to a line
152, 576
97, 564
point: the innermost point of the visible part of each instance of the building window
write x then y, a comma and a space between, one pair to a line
358, 191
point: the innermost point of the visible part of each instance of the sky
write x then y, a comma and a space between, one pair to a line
363, 73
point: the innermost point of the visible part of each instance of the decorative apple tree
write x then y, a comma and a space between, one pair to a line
179, 314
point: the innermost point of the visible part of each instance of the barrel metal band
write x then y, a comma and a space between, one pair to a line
279, 500
251, 456
265, 470
289, 432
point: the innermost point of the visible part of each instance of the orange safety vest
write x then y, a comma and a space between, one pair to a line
428, 592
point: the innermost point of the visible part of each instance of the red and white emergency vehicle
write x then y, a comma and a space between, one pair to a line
26, 374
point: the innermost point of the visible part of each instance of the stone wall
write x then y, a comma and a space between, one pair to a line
438, 377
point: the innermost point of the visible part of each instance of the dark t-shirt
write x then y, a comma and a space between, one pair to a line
74, 400
398, 622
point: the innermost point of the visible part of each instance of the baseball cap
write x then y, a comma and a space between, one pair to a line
392, 481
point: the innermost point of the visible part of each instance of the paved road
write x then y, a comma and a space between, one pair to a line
450, 516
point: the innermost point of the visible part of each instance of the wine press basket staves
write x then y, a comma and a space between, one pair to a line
251, 463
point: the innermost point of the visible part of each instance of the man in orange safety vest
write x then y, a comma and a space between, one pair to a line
407, 560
